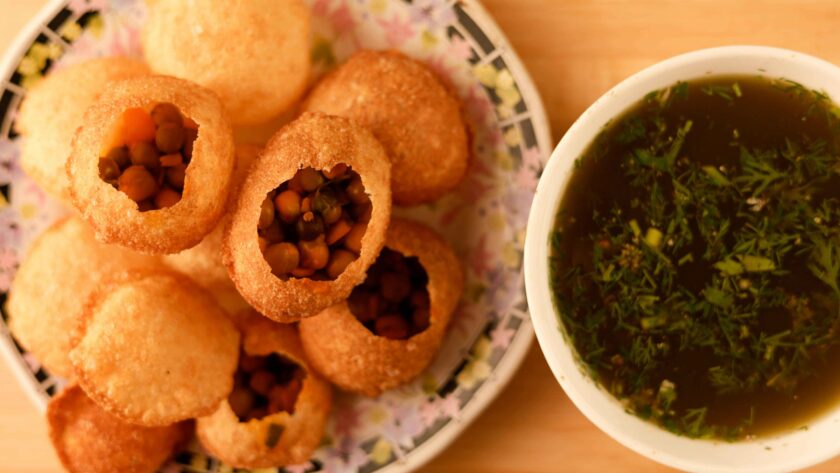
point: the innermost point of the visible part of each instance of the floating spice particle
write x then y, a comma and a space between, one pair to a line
653, 237
716, 176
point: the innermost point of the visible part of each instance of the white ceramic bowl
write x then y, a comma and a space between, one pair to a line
784, 452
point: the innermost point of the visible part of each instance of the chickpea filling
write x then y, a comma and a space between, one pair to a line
312, 225
148, 155
265, 385
393, 302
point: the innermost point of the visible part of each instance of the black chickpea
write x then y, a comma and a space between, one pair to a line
169, 137
166, 113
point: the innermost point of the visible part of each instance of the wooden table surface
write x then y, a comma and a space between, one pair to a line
575, 50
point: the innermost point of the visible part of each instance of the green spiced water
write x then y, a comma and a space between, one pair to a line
696, 257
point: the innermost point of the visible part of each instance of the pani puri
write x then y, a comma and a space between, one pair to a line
391, 327
88, 439
153, 348
278, 410
151, 164
408, 109
203, 262
255, 54
50, 113
63, 265
310, 217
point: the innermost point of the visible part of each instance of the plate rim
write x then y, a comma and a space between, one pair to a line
14, 360
513, 356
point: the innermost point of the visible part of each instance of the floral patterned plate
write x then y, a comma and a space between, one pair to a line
484, 219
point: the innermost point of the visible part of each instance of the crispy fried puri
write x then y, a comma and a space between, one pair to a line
63, 265
248, 444
117, 218
203, 262
88, 439
53, 109
321, 142
408, 109
153, 348
349, 355
255, 54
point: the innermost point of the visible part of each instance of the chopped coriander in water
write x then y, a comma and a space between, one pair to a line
696, 257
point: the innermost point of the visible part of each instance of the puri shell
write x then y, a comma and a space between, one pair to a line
321, 142
350, 356
115, 217
61, 268
88, 439
153, 348
410, 111
243, 444
203, 262
255, 54
50, 113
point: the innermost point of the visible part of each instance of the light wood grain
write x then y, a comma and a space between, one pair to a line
575, 51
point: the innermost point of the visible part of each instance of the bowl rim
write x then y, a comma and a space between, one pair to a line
550, 191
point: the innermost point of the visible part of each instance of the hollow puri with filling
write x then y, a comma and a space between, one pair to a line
50, 113
151, 164
87, 439
235, 49
47, 296
410, 111
278, 409
310, 217
391, 326
154, 348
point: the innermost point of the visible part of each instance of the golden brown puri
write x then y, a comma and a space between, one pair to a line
236, 49
88, 439
280, 438
203, 262
153, 348
408, 109
320, 142
349, 355
63, 265
117, 218
53, 109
